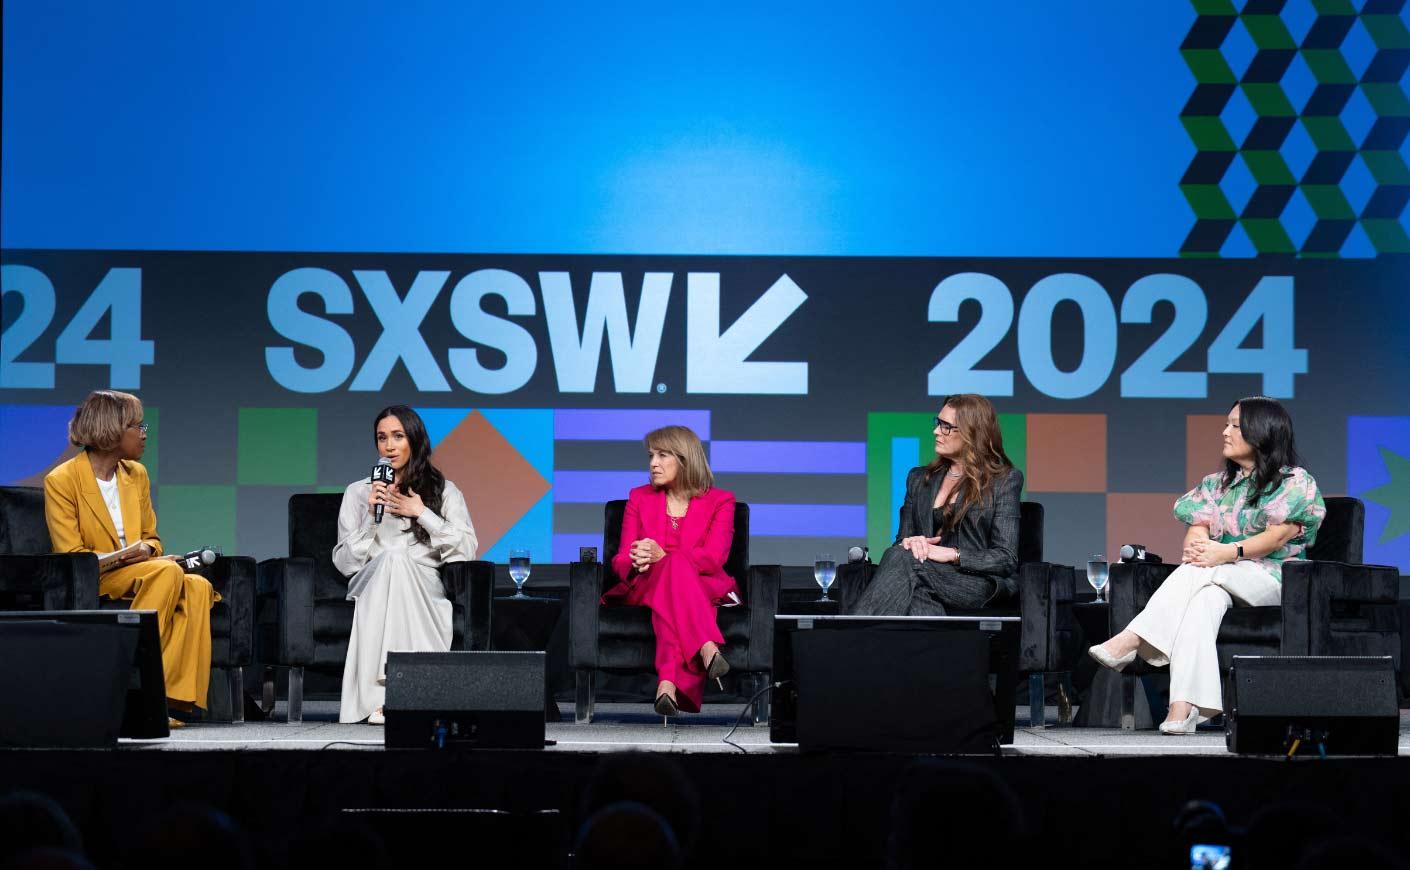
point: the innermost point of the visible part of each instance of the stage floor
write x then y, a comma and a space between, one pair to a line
618, 727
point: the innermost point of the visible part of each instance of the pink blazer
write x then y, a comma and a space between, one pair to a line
705, 534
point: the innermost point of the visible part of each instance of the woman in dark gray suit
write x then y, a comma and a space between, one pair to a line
957, 546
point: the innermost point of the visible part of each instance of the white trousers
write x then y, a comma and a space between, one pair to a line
401, 607
1181, 622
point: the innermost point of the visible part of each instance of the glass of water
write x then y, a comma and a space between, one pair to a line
1096, 574
519, 568
824, 571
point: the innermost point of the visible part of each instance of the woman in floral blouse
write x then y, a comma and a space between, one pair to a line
1244, 522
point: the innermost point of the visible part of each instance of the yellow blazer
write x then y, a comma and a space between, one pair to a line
78, 518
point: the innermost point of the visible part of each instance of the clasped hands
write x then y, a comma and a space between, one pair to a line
1207, 553
645, 553
397, 503
929, 549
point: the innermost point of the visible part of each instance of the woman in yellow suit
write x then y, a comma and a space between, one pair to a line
100, 501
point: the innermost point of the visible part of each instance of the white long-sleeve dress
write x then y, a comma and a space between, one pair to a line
401, 605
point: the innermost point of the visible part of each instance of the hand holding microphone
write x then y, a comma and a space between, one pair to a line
384, 474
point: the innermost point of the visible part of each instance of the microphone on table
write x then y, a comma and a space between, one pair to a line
1138, 553
197, 558
383, 472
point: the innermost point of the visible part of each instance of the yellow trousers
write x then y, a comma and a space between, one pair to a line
183, 605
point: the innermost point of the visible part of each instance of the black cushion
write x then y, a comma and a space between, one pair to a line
1343, 530
23, 530
1030, 532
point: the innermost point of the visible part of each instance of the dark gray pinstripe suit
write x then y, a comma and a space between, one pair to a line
987, 539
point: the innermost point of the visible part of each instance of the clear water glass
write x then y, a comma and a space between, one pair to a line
1097, 573
824, 571
519, 568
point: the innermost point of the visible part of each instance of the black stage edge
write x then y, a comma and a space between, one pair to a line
764, 810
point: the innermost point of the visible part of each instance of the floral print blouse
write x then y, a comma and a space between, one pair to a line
1231, 519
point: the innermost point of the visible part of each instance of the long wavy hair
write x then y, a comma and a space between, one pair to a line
1266, 426
983, 457
418, 474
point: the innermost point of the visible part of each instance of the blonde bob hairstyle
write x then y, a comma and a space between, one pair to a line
103, 418
694, 476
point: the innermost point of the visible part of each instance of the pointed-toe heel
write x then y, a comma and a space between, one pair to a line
1187, 726
666, 706
1107, 660
717, 668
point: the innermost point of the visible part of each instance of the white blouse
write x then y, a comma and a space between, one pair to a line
109, 491
452, 535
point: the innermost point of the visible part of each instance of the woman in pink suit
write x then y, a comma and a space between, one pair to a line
676, 536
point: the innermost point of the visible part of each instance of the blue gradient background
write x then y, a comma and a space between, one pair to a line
1021, 129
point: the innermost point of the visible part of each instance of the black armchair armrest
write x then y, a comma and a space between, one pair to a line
1335, 608
584, 597
851, 581
51, 581
234, 578
1048, 633
762, 599
471, 585
284, 605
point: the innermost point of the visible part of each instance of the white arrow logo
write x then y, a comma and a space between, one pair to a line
715, 361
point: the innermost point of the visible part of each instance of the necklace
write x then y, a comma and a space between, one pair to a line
676, 520
953, 475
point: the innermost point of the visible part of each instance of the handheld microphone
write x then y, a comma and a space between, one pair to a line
383, 472
1138, 553
857, 554
197, 558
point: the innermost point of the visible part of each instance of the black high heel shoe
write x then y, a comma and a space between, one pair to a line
666, 705
717, 668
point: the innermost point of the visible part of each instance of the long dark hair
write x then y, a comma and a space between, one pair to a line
984, 459
1264, 423
418, 474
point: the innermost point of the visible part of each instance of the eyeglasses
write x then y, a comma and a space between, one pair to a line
140, 427
945, 428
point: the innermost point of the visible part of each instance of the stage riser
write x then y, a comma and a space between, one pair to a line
818, 811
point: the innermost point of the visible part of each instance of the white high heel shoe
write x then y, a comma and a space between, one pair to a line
1107, 660
1185, 727
377, 717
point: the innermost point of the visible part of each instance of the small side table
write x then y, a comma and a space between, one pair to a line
791, 603
534, 622
1101, 708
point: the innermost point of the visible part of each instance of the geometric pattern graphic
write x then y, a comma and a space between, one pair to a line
196, 516
1143, 518
46, 442
44, 445
1378, 473
1204, 447
1299, 118
502, 461
277, 447
1066, 452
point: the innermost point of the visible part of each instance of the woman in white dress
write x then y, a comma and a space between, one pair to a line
401, 605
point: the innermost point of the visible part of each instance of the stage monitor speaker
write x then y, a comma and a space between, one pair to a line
63, 685
1339, 705
465, 699
144, 712
900, 684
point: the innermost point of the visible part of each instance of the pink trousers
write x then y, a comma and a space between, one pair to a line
682, 607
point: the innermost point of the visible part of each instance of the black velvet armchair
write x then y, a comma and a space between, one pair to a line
34, 578
1332, 604
619, 638
1048, 635
305, 619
